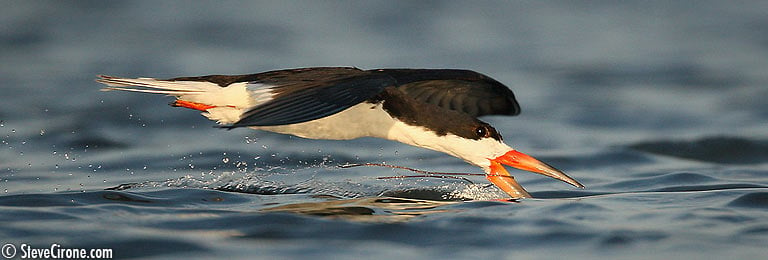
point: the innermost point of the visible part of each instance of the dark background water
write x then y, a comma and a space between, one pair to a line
658, 107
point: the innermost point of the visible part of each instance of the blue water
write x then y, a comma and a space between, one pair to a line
658, 107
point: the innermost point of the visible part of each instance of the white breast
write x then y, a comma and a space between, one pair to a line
361, 120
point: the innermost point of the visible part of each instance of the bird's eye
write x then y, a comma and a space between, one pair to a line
481, 131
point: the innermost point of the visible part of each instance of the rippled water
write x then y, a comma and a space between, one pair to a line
657, 107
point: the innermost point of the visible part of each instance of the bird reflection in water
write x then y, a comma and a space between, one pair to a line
374, 209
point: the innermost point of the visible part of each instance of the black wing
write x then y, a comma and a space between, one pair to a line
308, 94
461, 90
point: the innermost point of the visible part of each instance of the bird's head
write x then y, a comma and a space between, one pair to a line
493, 154
483, 146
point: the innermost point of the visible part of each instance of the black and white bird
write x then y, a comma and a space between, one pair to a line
430, 108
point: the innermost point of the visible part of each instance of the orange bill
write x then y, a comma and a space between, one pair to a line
502, 179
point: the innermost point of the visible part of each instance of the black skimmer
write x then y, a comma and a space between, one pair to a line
430, 108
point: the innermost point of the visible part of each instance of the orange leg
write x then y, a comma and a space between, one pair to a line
191, 105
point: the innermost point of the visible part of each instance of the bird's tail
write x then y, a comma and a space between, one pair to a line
203, 92
222, 104
154, 86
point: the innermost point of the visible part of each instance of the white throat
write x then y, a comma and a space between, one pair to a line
476, 152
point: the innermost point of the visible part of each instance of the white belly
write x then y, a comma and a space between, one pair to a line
361, 120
